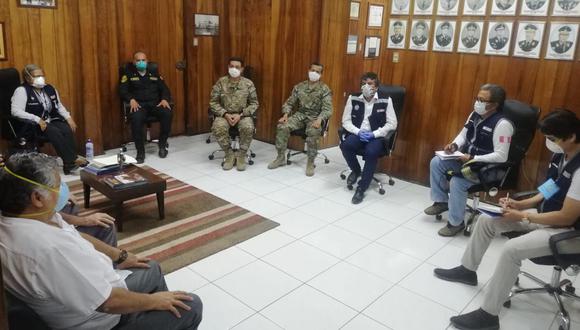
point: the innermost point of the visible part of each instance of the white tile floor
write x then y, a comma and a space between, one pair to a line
330, 264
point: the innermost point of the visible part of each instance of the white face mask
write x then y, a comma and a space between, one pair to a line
553, 147
479, 107
313, 76
38, 82
234, 73
368, 91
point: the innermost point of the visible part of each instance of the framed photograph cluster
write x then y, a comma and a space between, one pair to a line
37, 3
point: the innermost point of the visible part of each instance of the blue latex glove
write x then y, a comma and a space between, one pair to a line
366, 136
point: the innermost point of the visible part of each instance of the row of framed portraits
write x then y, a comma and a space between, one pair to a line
529, 37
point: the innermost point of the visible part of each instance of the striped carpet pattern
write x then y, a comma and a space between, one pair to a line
197, 224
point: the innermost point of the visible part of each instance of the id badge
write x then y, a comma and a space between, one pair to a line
549, 189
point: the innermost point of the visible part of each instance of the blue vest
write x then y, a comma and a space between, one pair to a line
483, 131
563, 179
34, 105
378, 116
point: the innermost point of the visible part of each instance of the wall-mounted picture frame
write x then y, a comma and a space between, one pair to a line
535, 7
423, 7
372, 46
420, 32
3, 55
375, 16
474, 7
498, 39
562, 41
351, 44
570, 8
400, 7
51, 4
444, 36
354, 10
470, 37
529, 39
504, 7
447, 7
206, 24
397, 33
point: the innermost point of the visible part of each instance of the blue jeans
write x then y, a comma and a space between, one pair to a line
454, 192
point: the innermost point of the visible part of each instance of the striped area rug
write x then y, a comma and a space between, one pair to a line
197, 224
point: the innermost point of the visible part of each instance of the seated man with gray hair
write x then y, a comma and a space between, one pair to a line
67, 277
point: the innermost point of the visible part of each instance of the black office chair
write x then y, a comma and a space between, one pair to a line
126, 107
495, 176
235, 137
556, 288
22, 134
397, 94
302, 134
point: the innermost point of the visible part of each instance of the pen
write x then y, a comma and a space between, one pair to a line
507, 199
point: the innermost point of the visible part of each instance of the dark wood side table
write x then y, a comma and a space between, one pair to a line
155, 185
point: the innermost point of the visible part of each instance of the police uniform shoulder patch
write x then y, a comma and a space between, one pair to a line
124, 78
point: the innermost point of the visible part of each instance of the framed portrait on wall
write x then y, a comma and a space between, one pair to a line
354, 9
498, 38
474, 7
372, 46
397, 33
400, 7
423, 7
37, 3
444, 36
470, 37
448, 7
529, 39
206, 24
535, 7
503, 7
420, 31
375, 16
562, 41
566, 8
3, 55
351, 44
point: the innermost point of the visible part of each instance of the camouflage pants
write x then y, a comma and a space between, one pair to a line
221, 131
298, 121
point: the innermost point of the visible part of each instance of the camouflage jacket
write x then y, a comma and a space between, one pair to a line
228, 96
315, 101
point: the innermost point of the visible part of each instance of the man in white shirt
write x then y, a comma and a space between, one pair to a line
67, 277
368, 117
559, 211
486, 137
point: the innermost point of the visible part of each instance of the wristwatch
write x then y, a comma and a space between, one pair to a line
122, 257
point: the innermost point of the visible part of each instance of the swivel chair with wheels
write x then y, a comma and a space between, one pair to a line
235, 137
397, 94
495, 176
302, 134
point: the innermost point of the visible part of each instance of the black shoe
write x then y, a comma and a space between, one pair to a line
351, 179
476, 320
68, 168
436, 208
163, 151
358, 197
458, 274
140, 158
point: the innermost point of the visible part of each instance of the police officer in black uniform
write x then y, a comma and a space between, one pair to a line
500, 40
148, 95
444, 37
397, 36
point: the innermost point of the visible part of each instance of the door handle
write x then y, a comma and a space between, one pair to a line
181, 65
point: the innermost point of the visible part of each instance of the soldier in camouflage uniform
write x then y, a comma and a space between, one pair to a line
313, 100
234, 103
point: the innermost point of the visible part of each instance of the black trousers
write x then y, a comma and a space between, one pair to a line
139, 118
61, 137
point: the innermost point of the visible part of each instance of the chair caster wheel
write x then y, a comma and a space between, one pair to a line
210, 157
467, 232
507, 304
208, 141
570, 289
349, 187
439, 217
342, 176
251, 162
253, 155
382, 191
326, 161
124, 149
391, 182
288, 162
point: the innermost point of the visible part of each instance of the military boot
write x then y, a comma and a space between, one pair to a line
310, 167
279, 161
229, 160
241, 160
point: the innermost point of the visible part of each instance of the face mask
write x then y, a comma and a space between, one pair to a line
479, 107
368, 91
553, 147
313, 76
38, 82
234, 73
141, 65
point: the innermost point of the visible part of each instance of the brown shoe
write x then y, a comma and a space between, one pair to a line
279, 161
229, 160
310, 167
241, 161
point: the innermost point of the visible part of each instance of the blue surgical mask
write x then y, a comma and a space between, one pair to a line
141, 65
63, 195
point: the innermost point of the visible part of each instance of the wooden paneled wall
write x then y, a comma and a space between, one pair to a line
81, 44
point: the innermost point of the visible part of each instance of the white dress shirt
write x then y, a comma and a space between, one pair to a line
502, 138
19, 99
58, 273
391, 117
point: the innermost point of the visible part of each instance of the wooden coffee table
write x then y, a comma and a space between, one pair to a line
155, 185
